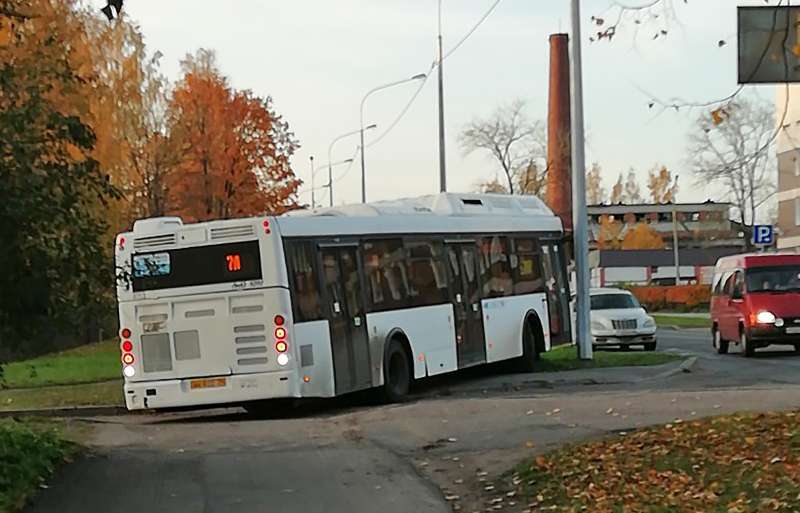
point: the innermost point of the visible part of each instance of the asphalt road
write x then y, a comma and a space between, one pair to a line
355, 456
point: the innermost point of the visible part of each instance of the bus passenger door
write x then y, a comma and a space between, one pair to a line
554, 267
462, 262
347, 319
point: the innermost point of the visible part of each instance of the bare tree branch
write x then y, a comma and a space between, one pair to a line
517, 144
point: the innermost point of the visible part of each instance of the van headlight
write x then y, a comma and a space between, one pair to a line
765, 317
649, 322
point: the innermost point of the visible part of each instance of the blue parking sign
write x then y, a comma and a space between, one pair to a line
763, 234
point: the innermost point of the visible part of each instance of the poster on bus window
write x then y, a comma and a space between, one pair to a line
148, 266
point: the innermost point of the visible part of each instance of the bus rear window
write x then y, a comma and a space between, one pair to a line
203, 265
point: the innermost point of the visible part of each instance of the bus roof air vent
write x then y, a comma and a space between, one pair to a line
156, 225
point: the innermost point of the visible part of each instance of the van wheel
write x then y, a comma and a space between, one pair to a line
526, 362
797, 348
748, 348
396, 373
720, 345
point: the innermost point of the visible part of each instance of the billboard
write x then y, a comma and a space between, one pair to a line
768, 44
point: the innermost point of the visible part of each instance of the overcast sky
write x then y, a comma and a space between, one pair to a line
317, 58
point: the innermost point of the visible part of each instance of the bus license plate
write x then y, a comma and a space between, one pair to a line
792, 331
207, 383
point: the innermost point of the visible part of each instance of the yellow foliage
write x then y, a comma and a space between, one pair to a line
642, 236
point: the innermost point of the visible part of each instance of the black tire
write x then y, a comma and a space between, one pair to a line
624, 347
748, 348
720, 345
527, 362
797, 348
396, 373
650, 346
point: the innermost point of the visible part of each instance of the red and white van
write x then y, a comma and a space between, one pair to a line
755, 302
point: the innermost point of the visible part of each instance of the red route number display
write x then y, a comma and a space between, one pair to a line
234, 262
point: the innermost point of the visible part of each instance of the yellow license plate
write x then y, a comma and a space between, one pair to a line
207, 383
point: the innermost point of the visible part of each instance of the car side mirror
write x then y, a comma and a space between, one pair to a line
736, 295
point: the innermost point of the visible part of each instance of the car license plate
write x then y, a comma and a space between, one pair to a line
793, 331
207, 383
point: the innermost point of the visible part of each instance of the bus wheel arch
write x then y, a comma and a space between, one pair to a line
532, 342
398, 366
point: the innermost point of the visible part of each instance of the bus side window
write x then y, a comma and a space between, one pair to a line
305, 286
426, 273
527, 274
384, 267
495, 267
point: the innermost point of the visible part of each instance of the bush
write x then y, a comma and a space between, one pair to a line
676, 297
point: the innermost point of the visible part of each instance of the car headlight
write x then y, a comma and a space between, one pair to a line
765, 317
649, 322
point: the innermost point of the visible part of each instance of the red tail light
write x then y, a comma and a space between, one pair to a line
127, 346
281, 346
128, 359
266, 226
125, 333
280, 332
279, 320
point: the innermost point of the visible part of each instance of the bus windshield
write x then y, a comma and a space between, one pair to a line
784, 278
611, 301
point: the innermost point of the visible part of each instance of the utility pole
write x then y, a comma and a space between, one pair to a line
442, 164
675, 250
580, 221
313, 203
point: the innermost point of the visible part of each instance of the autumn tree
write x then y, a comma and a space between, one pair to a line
633, 193
609, 233
642, 236
595, 193
517, 144
234, 149
52, 191
736, 154
662, 186
618, 191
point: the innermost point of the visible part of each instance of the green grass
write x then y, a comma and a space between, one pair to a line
85, 364
681, 321
29, 454
733, 463
566, 358
108, 393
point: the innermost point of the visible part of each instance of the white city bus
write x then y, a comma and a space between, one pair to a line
323, 303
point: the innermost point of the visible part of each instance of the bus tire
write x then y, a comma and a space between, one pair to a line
530, 346
748, 348
396, 372
720, 345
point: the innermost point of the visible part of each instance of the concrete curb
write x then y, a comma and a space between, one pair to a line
71, 411
534, 383
684, 368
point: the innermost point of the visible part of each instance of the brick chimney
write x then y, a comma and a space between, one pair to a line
559, 155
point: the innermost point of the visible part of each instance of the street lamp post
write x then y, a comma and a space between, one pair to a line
442, 173
330, 165
579, 215
420, 76
313, 203
330, 158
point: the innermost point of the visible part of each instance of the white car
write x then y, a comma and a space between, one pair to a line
619, 320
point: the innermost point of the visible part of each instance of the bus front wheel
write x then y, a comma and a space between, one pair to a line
396, 373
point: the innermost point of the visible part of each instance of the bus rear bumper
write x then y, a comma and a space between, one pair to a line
237, 388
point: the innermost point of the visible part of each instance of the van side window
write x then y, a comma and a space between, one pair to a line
719, 281
727, 288
738, 285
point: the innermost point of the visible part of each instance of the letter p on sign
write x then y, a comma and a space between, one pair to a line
763, 234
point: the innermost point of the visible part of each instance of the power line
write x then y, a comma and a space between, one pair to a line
432, 68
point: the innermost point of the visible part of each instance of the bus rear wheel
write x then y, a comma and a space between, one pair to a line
527, 362
396, 373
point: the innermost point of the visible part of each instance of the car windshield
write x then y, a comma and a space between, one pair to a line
773, 279
609, 301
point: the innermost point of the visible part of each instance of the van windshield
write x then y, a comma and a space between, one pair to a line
784, 278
